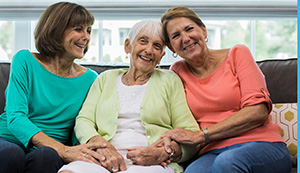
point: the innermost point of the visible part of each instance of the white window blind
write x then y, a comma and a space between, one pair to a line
137, 9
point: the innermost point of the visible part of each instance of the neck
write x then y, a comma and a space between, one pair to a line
61, 66
133, 77
204, 65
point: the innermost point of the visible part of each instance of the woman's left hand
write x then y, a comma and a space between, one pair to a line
182, 136
147, 155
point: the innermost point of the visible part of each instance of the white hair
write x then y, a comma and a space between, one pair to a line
151, 27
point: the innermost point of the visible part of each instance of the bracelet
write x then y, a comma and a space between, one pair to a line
204, 130
172, 154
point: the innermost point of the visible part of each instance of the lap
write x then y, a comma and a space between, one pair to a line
250, 157
82, 167
14, 159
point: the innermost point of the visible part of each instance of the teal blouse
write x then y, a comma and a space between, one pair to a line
38, 100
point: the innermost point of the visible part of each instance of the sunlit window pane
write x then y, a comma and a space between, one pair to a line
268, 40
276, 39
6, 40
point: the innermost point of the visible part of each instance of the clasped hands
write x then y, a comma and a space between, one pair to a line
107, 156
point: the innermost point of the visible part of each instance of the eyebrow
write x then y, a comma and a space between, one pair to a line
187, 26
143, 36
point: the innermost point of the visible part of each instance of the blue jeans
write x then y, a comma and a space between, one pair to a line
255, 157
14, 159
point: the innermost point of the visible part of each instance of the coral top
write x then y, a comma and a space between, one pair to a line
236, 83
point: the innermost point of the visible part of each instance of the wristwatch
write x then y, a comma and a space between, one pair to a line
204, 130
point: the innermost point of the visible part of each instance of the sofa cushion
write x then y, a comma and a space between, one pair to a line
4, 76
281, 79
285, 115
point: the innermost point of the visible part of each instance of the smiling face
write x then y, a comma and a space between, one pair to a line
187, 38
76, 40
146, 52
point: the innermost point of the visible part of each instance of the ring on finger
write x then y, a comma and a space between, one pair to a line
84, 154
103, 159
114, 170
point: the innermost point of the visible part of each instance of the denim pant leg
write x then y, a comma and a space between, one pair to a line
43, 159
254, 157
203, 164
261, 157
12, 157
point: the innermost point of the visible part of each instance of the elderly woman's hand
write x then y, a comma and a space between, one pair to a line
84, 152
182, 136
108, 156
147, 155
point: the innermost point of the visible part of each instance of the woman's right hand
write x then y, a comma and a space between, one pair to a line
84, 152
108, 156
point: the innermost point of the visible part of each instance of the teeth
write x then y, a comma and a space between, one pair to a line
145, 58
80, 45
189, 46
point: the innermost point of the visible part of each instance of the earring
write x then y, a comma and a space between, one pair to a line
206, 39
174, 54
158, 66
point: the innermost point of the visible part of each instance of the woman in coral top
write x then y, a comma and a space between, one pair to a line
227, 94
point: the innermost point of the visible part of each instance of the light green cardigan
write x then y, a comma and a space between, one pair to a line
164, 107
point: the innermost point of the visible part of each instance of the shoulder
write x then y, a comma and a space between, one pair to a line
91, 73
22, 60
110, 74
240, 53
166, 75
113, 72
239, 49
22, 55
23, 52
176, 66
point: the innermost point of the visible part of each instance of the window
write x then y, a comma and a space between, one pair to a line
268, 28
6, 40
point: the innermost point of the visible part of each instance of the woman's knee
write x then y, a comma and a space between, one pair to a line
10, 152
43, 158
229, 162
12, 157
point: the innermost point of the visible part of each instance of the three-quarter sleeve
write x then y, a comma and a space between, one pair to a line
252, 81
17, 94
85, 126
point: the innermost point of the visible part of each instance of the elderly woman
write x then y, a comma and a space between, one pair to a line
45, 93
128, 109
227, 95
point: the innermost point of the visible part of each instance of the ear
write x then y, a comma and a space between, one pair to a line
163, 54
203, 27
127, 46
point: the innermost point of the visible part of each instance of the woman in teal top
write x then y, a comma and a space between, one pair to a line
45, 92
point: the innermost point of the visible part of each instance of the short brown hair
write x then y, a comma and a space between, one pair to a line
54, 21
176, 12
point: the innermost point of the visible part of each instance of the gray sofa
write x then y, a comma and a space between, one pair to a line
281, 78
